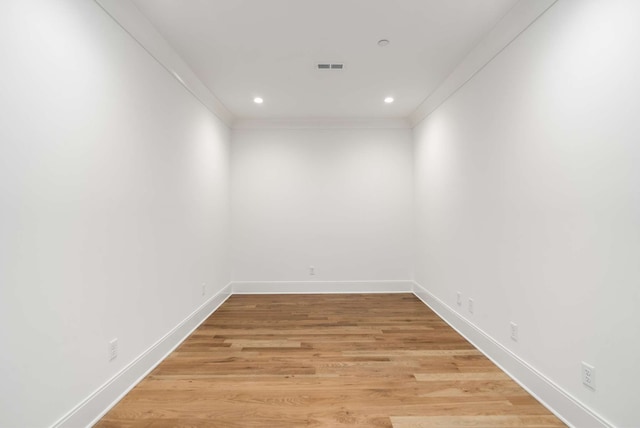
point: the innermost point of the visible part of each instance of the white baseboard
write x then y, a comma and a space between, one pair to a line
557, 400
321, 287
89, 411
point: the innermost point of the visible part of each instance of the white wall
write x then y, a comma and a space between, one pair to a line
527, 199
114, 204
336, 199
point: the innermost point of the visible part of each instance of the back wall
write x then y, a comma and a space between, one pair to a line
339, 200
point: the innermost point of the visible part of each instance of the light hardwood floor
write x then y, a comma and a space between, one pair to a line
373, 360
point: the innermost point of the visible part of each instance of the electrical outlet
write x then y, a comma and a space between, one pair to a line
312, 270
113, 349
470, 306
589, 375
459, 298
204, 289
514, 331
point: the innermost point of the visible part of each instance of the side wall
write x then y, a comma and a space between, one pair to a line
114, 205
339, 200
527, 200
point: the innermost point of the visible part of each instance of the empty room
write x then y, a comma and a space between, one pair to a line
336, 213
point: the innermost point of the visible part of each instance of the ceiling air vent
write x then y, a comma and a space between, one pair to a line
330, 66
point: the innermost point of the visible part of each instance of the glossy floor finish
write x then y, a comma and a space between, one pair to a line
366, 360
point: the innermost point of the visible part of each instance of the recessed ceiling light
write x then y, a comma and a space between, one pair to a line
388, 100
258, 100
383, 42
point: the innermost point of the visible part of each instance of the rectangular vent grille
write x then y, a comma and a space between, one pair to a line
330, 66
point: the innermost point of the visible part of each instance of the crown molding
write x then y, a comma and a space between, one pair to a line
129, 17
322, 123
514, 23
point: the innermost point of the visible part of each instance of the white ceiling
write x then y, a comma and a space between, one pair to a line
246, 48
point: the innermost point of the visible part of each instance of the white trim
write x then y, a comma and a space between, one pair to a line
514, 23
322, 123
569, 409
565, 406
127, 15
321, 287
96, 405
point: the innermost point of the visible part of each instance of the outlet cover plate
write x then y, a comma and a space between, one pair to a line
113, 349
514, 331
589, 376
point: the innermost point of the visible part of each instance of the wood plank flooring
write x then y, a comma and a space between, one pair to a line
373, 360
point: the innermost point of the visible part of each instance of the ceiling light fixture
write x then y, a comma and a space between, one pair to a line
388, 100
258, 100
383, 42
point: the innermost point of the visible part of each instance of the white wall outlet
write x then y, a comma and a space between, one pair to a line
514, 331
589, 375
113, 349
312, 270
204, 289
459, 298
470, 306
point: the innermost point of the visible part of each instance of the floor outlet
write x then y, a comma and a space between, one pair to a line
470, 306
589, 375
514, 331
113, 349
